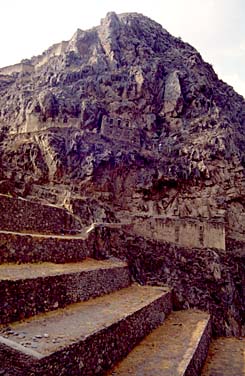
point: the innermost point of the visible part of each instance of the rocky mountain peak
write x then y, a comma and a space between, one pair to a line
126, 116
123, 136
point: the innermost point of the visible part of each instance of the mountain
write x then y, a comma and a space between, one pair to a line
126, 123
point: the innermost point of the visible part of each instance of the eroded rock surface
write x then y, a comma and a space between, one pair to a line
122, 122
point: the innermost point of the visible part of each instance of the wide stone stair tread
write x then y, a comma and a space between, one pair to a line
115, 315
177, 348
14, 272
226, 357
82, 319
28, 289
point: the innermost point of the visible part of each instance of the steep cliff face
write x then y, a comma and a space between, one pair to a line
125, 122
128, 114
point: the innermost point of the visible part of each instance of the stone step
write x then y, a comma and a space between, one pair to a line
177, 348
19, 214
23, 248
226, 357
28, 289
84, 338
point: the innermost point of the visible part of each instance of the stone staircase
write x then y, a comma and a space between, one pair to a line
177, 347
226, 357
30, 289
85, 316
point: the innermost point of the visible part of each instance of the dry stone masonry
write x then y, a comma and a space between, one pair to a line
122, 142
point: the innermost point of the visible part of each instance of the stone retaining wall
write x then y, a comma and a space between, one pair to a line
209, 279
17, 68
22, 249
22, 215
31, 296
185, 232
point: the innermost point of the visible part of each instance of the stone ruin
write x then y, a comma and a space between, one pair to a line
121, 146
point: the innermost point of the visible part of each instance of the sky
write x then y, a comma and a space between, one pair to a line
216, 28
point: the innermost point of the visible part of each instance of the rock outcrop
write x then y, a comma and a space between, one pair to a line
126, 123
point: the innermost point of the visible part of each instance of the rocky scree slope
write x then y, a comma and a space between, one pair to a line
126, 120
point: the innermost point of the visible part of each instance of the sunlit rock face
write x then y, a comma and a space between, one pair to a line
126, 123
129, 116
